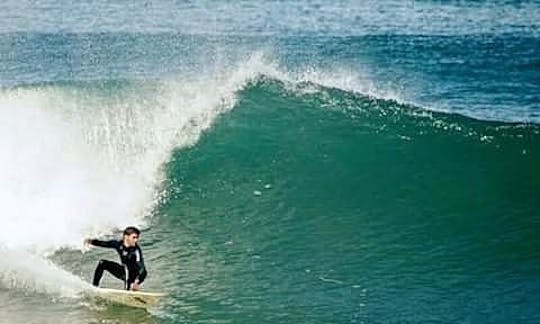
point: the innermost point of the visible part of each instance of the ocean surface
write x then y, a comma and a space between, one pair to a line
287, 161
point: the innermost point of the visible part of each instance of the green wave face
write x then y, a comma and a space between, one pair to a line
310, 204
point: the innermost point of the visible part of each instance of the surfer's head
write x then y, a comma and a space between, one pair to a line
131, 236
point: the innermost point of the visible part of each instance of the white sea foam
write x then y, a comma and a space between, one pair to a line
77, 162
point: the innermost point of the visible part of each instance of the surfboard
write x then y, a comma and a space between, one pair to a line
139, 299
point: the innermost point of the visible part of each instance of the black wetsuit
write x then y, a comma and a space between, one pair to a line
131, 269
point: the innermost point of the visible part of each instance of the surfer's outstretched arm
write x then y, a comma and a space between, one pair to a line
106, 244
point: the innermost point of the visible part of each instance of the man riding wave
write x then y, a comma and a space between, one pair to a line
131, 270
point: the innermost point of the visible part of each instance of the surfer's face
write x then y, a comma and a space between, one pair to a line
131, 240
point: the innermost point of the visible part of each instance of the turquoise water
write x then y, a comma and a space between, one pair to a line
368, 218
313, 164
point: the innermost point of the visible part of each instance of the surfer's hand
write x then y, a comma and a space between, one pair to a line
87, 241
135, 286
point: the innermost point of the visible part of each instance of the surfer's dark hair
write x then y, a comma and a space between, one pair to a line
132, 230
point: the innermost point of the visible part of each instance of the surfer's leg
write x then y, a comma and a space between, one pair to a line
114, 268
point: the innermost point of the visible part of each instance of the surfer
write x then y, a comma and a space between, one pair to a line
132, 270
